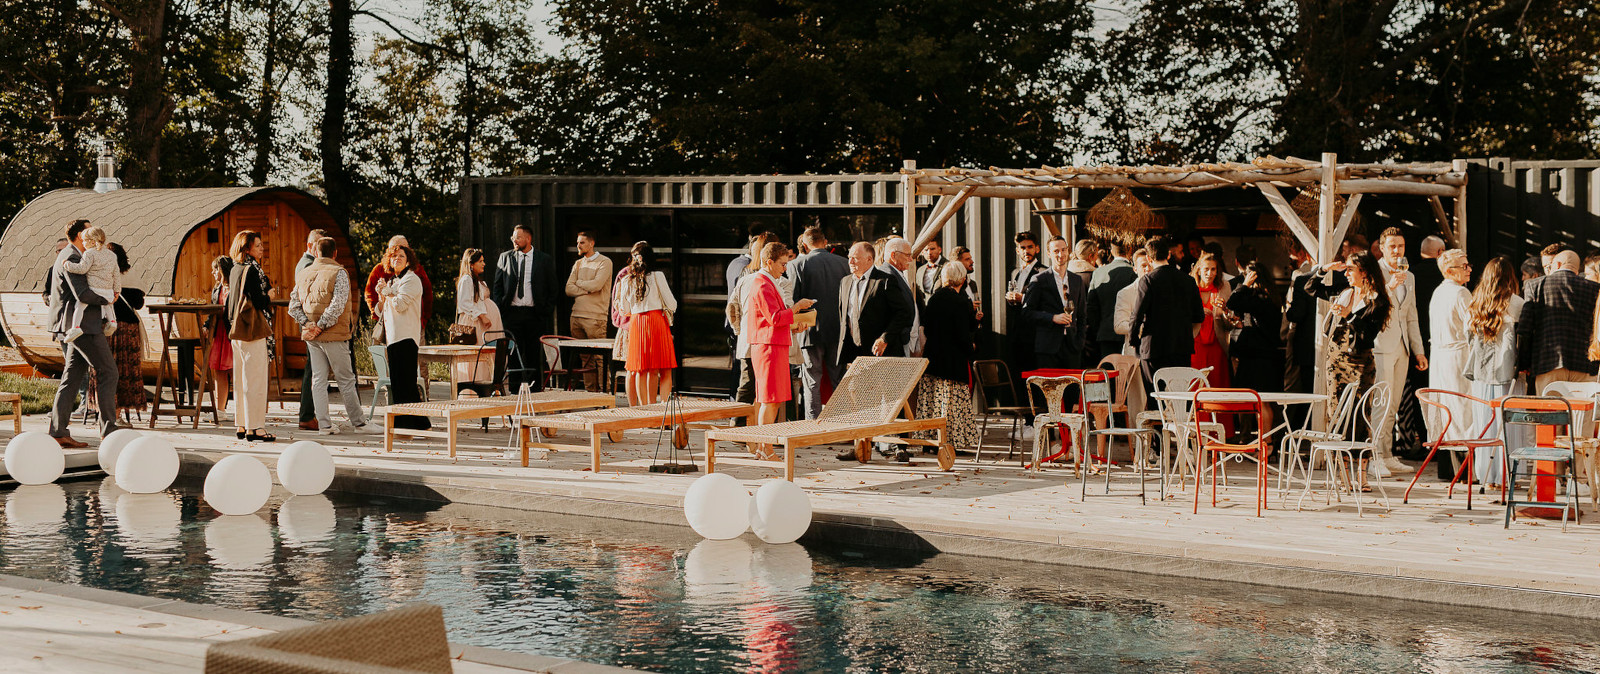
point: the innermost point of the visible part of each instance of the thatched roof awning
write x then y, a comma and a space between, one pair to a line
1427, 179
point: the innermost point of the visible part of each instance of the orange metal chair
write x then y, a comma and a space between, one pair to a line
1232, 401
1434, 397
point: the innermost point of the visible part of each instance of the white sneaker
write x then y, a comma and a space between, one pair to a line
330, 429
72, 335
1395, 465
363, 428
1378, 470
1016, 433
111, 328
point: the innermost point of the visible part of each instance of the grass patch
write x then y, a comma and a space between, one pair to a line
37, 394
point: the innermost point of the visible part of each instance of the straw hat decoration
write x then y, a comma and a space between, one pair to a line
1308, 202
1122, 216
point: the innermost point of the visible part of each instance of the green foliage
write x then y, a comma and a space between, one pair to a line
37, 394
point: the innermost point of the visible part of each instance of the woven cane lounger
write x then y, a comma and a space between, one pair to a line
614, 421
864, 409
453, 411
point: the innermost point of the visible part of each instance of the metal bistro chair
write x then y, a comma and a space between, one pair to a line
1539, 411
1098, 392
1177, 418
383, 384
1352, 451
1289, 454
1434, 397
1054, 390
997, 395
558, 369
1239, 401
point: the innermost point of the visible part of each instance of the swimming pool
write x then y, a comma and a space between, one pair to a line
658, 598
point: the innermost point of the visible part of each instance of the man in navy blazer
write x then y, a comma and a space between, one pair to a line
1109, 279
1167, 311
1056, 306
524, 289
817, 275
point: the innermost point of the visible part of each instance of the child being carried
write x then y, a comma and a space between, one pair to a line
99, 267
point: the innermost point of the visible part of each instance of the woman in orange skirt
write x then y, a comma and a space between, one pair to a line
645, 298
770, 324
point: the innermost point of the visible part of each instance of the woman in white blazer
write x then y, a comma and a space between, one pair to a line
474, 308
400, 303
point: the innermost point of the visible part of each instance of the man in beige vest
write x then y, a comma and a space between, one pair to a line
320, 303
589, 286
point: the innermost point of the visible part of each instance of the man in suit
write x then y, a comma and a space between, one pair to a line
1029, 267
89, 350
1167, 311
1127, 301
1108, 280
1556, 326
1398, 345
1056, 307
928, 273
525, 286
817, 275
897, 261
874, 314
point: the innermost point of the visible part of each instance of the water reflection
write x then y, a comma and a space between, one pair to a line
239, 542
36, 510
306, 520
148, 522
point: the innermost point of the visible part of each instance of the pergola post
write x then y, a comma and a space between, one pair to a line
1460, 166
908, 200
1327, 190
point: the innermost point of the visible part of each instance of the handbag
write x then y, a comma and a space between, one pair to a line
462, 333
246, 322
377, 331
664, 310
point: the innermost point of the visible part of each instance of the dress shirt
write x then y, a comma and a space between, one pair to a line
524, 296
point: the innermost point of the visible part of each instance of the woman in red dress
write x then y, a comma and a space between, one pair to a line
1211, 342
770, 325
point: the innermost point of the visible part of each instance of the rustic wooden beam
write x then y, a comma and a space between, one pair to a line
1327, 191
1049, 218
1443, 219
1460, 166
1375, 186
1345, 218
938, 218
908, 198
1290, 218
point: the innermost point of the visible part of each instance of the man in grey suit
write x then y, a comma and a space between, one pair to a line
91, 349
817, 276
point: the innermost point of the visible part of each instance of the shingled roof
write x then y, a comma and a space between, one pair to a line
150, 224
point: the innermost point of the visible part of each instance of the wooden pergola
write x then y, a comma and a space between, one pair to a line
1271, 175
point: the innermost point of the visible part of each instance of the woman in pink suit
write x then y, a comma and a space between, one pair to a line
769, 323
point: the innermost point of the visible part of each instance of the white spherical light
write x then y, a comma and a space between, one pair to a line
305, 520
238, 485
147, 465
717, 507
305, 468
240, 543
34, 458
780, 512
111, 447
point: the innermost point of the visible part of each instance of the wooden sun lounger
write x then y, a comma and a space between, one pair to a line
614, 421
453, 411
16, 408
869, 405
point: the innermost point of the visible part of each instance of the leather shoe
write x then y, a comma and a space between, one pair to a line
309, 425
69, 443
847, 455
903, 456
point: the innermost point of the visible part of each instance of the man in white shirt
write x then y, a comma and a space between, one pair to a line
525, 288
589, 286
1397, 345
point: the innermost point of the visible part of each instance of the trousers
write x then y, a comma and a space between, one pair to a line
333, 358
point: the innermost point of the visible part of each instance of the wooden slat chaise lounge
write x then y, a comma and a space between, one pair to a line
455, 411
614, 421
869, 405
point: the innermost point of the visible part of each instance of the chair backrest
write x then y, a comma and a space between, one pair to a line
993, 385
1344, 411
1437, 398
1177, 379
1537, 411
552, 350
873, 390
1372, 406
1098, 388
380, 361
1575, 390
1127, 368
1055, 389
1214, 401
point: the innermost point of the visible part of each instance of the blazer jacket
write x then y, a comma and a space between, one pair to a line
1108, 280
1165, 315
885, 312
1557, 323
769, 318
67, 291
951, 322
544, 286
1041, 304
817, 275
1403, 335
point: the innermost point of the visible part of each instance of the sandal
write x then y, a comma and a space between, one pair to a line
240, 433
260, 437
764, 453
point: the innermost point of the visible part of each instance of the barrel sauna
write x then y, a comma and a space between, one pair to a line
171, 236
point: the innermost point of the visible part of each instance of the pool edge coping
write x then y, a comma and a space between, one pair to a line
481, 655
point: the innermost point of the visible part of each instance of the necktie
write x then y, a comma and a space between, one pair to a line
522, 275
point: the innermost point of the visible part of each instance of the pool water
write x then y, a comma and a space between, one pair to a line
658, 598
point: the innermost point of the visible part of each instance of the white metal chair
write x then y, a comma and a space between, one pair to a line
1295, 440
1097, 391
1054, 390
1177, 417
1341, 469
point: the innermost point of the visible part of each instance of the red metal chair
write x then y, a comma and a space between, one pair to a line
1232, 401
1434, 397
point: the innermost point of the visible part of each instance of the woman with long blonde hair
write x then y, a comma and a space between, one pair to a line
1492, 353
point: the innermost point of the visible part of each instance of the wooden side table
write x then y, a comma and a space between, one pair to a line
166, 316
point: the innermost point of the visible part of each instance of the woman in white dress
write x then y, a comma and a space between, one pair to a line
474, 308
1448, 316
1491, 363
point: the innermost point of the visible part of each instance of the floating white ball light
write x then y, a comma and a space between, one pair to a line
238, 485
34, 458
147, 465
305, 468
717, 507
111, 448
780, 512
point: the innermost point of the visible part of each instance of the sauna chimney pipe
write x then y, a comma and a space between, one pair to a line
107, 164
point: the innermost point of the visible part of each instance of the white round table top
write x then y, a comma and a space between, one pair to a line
1280, 397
